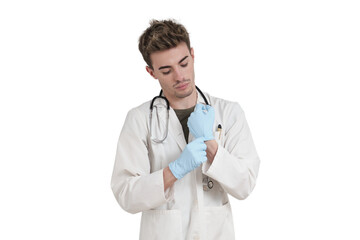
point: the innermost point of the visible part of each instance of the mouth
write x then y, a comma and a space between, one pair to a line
182, 86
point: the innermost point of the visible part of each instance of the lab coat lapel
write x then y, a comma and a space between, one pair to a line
175, 129
200, 98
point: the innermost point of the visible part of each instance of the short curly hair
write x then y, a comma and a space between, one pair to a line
162, 35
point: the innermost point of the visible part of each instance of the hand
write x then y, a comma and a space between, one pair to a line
192, 157
201, 122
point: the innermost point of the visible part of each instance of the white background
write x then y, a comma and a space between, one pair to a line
70, 71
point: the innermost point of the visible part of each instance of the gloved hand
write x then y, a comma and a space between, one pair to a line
193, 155
201, 122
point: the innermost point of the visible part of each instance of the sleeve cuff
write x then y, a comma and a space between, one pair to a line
168, 194
210, 169
156, 195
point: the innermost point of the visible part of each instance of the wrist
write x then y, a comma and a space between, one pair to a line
169, 178
211, 149
172, 168
209, 137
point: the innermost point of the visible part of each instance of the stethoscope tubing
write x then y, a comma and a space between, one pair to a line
167, 101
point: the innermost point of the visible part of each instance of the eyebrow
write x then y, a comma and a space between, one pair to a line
170, 66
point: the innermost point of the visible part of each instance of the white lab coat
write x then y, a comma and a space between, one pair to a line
186, 210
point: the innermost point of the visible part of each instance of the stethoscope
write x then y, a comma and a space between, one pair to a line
152, 106
207, 183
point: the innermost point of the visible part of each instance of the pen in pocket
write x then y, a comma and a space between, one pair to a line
219, 128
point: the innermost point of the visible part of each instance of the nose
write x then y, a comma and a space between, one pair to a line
178, 74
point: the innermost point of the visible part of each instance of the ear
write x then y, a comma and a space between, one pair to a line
192, 53
150, 71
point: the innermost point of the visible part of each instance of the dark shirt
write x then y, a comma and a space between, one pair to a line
183, 115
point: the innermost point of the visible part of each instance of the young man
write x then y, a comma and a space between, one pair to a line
177, 166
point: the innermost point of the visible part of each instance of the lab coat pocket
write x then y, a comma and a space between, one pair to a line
219, 223
161, 224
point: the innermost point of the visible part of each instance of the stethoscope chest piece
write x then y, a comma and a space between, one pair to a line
210, 184
207, 183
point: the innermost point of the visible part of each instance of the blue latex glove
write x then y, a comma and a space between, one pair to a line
201, 122
193, 155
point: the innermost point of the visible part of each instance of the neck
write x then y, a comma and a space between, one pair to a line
184, 103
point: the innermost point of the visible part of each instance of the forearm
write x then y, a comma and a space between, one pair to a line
137, 192
211, 150
237, 175
169, 178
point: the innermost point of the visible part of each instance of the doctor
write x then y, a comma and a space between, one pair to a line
181, 184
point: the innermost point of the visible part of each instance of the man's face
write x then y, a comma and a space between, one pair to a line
174, 68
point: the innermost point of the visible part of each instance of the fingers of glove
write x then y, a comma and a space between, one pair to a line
203, 146
204, 110
199, 144
199, 107
203, 153
210, 109
201, 157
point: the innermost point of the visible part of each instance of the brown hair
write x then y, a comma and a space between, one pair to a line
162, 35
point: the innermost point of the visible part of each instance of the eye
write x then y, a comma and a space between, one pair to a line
184, 65
166, 73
